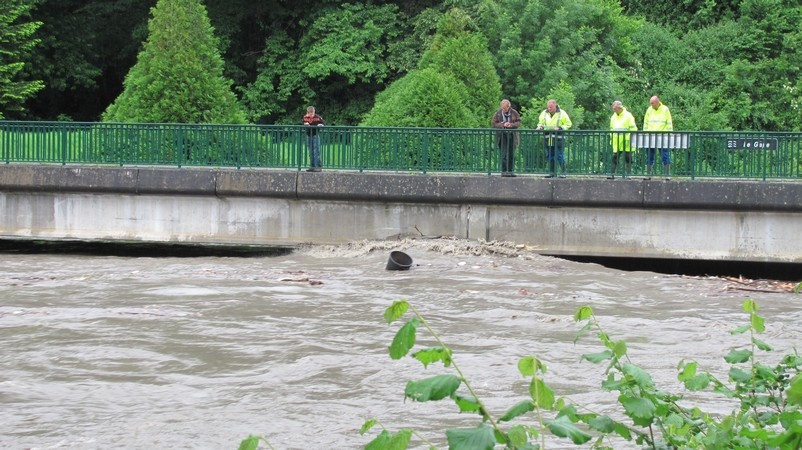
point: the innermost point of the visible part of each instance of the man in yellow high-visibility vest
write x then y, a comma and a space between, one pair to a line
657, 118
554, 121
622, 123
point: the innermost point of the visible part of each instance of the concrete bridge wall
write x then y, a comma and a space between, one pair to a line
712, 220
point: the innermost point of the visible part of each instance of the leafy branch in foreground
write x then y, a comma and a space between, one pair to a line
768, 415
252, 443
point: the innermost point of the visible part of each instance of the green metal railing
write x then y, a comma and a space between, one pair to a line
694, 154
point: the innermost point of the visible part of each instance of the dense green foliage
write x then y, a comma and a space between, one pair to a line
343, 53
16, 39
455, 86
718, 65
178, 77
583, 44
766, 400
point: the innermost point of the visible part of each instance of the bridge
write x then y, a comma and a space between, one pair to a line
53, 189
709, 220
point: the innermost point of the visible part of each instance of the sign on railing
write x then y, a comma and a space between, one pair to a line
662, 140
752, 144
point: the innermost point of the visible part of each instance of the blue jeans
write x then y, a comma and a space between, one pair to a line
555, 151
313, 144
664, 153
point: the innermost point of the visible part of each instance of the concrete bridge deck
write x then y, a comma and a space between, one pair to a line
757, 221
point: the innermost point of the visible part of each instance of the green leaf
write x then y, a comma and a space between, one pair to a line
541, 393
396, 311
794, 394
431, 389
698, 382
588, 326
517, 410
404, 339
741, 330
640, 376
518, 436
750, 306
563, 427
249, 443
761, 345
370, 423
430, 355
583, 313
467, 404
620, 349
687, 370
623, 431
613, 384
598, 357
765, 373
739, 375
640, 409
602, 424
388, 441
479, 438
738, 356
529, 366
758, 323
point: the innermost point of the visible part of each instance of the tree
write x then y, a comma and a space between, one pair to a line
582, 43
455, 86
87, 48
178, 76
564, 95
463, 53
346, 54
16, 38
422, 98
760, 87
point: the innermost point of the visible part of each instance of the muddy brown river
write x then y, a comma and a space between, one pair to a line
106, 352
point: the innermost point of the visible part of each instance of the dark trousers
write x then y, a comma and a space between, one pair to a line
506, 146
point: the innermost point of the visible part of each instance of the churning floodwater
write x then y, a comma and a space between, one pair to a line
106, 352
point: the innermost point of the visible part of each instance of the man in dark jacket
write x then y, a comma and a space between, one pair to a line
508, 119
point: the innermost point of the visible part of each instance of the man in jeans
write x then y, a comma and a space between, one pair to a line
554, 120
657, 118
313, 121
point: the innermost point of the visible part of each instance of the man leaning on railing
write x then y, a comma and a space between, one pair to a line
507, 140
554, 121
313, 121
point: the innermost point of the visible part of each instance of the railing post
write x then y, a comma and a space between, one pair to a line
692, 157
425, 153
64, 139
765, 159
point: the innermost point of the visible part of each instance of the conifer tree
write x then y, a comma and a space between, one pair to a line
456, 84
15, 40
178, 76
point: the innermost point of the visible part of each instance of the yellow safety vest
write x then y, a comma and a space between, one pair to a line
619, 123
658, 119
552, 122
